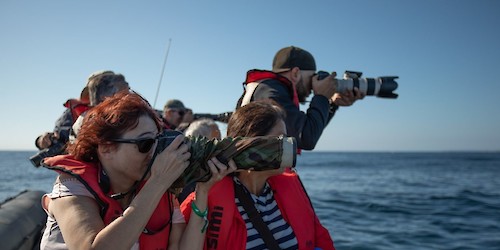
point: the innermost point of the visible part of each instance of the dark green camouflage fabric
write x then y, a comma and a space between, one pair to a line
256, 153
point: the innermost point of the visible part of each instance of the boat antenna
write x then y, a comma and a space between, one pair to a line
162, 70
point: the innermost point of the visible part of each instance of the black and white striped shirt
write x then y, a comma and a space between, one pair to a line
268, 209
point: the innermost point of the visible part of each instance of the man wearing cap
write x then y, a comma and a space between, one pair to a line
173, 113
290, 83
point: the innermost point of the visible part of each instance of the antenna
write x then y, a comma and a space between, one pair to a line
162, 70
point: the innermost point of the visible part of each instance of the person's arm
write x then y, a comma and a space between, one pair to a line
193, 236
305, 127
63, 126
317, 118
83, 228
347, 98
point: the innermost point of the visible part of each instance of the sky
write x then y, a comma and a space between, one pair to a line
445, 53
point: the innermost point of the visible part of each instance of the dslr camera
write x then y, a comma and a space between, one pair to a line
379, 86
56, 148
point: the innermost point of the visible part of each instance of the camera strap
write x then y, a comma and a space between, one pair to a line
257, 222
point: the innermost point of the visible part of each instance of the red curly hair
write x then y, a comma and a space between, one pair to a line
109, 120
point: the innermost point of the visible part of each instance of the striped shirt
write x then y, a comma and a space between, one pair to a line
268, 209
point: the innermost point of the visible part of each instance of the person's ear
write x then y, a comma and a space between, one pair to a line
295, 74
105, 150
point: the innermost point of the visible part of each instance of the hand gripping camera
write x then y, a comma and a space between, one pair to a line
56, 148
380, 86
250, 153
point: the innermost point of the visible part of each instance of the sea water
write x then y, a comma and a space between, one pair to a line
371, 200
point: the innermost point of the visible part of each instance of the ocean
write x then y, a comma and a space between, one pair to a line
371, 200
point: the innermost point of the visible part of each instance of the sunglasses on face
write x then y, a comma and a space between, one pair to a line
143, 145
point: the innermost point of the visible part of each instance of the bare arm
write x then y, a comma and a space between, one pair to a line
80, 221
193, 236
83, 228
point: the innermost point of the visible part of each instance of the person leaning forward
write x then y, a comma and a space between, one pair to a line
62, 129
100, 84
289, 83
111, 194
266, 209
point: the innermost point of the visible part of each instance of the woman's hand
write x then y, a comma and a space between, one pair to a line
171, 162
219, 171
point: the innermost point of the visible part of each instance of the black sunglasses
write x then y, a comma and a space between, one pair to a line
144, 145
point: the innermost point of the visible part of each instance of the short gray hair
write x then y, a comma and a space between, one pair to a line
101, 84
201, 127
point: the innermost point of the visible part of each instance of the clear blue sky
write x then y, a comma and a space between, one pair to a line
446, 53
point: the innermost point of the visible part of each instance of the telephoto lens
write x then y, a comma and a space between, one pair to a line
258, 153
380, 86
222, 117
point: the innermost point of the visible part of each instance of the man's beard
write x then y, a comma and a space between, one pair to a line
302, 92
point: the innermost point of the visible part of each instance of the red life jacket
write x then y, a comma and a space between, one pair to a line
256, 75
227, 230
77, 107
156, 233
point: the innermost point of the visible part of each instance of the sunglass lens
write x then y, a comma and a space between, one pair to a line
181, 113
145, 145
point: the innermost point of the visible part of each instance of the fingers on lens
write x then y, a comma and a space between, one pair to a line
177, 141
186, 155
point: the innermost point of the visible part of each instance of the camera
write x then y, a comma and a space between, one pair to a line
379, 86
165, 138
56, 148
222, 117
258, 153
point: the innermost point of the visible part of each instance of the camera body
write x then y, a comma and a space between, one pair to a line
166, 137
56, 148
380, 86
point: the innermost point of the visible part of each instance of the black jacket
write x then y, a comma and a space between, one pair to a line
305, 127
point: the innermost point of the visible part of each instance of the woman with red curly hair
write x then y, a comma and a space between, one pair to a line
110, 194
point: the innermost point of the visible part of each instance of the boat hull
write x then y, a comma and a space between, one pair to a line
22, 220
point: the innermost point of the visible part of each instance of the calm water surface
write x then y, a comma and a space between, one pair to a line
372, 200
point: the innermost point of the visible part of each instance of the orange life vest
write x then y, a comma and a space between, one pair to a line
156, 233
227, 230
